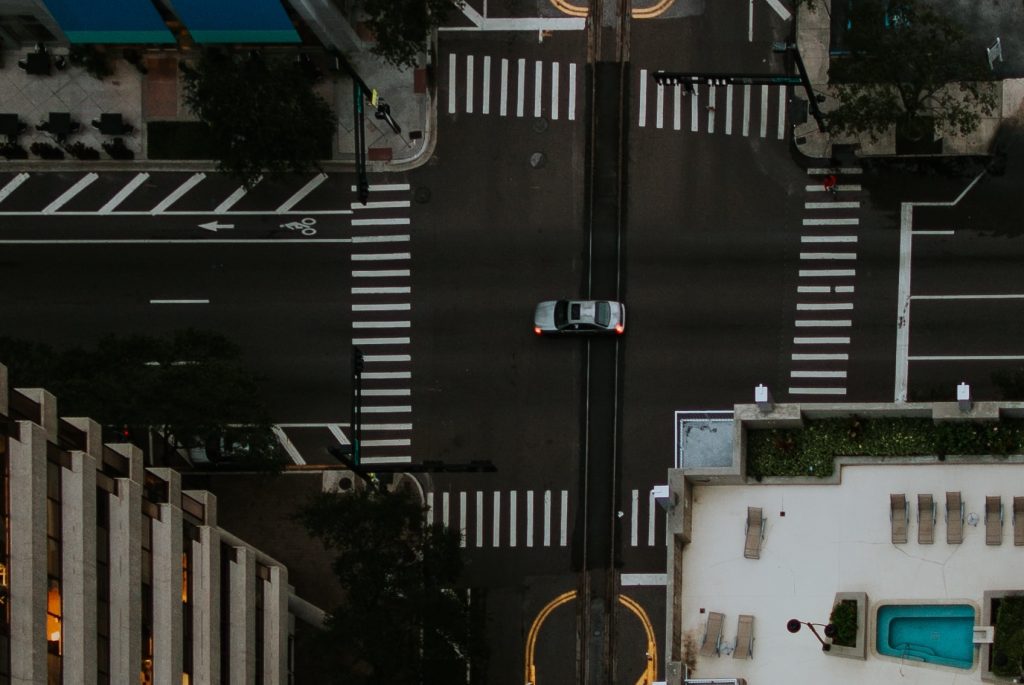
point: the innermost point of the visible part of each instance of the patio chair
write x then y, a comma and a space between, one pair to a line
754, 532
899, 518
1018, 521
994, 520
954, 518
712, 641
744, 638
925, 520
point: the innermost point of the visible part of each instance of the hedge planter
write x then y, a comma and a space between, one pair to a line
850, 617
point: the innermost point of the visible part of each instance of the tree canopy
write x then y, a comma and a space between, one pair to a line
191, 388
908, 64
402, 27
403, 621
262, 111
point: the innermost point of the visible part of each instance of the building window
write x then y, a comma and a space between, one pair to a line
146, 674
102, 587
54, 608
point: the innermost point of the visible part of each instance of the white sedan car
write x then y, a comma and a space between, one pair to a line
579, 316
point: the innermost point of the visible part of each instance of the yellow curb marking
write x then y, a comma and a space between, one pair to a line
654, 10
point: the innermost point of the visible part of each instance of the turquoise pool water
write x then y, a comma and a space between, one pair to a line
936, 633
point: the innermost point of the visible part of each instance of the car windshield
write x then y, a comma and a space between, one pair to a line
561, 312
604, 314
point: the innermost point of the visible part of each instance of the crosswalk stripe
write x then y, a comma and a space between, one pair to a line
764, 111
521, 88
746, 110
711, 110
386, 375
828, 255
659, 111
379, 256
451, 83
572, 91
497, 519
392, 409
381, 204
782, 112
820, 357
817, 374
390, 442
728, 110
386, 426
469, 84
820, 171
485, 107
828, 239
651, 511
381, 324
462, 518
430, 508
839, 273
372, 358
823, 306
538, 94
694, 97
839, 340
380, 273
554, 91
65, 197
642, 122
822, 323
677, 106
386, 290
385, 460
564, 523
479, 518
503, 95
385, 392
831, 205
123, 194
512, 520
383, 221
529, 518
633, 523
445, 506
380, 341
547, 518
387, 307
817, 391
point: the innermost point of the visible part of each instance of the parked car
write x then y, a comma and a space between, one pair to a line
579, 316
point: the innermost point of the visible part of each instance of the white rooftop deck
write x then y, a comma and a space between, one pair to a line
836, 538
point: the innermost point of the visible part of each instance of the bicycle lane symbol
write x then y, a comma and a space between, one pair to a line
305, 226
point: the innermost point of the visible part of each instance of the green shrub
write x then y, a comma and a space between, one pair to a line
1008, 648
844, 618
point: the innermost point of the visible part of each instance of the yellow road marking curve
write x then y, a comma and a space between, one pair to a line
654, 10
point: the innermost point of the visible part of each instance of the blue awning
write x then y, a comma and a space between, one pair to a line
236, 21
109, 21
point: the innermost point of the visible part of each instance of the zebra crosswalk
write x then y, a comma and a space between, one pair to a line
512, 87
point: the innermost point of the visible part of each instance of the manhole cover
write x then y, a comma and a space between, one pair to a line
538, 160
422, 195
540, 124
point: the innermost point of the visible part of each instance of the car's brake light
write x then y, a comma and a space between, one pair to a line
619, 328
536, 329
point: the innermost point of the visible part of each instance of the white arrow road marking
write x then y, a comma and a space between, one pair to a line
214, 225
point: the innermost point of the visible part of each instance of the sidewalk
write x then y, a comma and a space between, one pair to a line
157, 96
813, 37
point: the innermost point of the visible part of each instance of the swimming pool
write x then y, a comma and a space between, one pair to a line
935, 633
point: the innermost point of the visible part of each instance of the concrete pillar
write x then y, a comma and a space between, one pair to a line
243, 617
275, 627
28, 584
126, 571
206, 591
79, 569
167, 609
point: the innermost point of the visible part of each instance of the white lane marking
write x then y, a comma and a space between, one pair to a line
782, 111
380, 256
828, 239
381, 273
383, 187
80, 185
512, 501
538, 88
387, 426
572, 91
711, 109
633, 523
384, 460
386, 375
385, 392
302, 192
391, 442
462, 518
179, 302
728, 110
172, 241
828, 255
382, 204
750, 21
825, 171
780, 9
179, 192
814, 289
390, 409
377, 358
12, 185
817, 391
469, 84
694, 98
821, 341
503, 101
232, 199
554, 91
831, 222
360, 239
380, 341
1013, 296
485, 107
823, 306
451, 84
831, 205
643, 99
479, 518
839, 273
386, 307
381, 324
496, 538
634, 579
529, 518
933, 232
287, 444
817, 187
820, 323
388, 290
521, 88
817, 374
677, 105
824, 357
844, 288
123, 194
336, 431
764, 111
659, 105
430, 508
444, 508
966, 358
651, 517
903, 302
746, 110
563, 530
547, 518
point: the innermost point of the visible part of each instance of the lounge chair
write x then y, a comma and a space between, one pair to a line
744, 638
925, 520
755, 533
954, 518
898, 516
712, 634
1018, 520
994, 520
